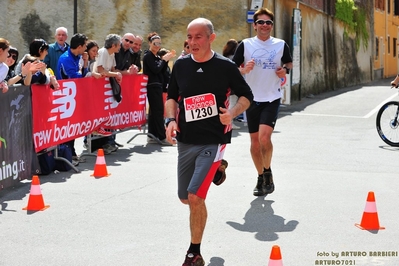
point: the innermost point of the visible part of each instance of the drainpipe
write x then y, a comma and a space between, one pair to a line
385, 39
75, 16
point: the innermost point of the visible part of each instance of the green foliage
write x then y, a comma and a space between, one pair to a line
361, 28
354, 19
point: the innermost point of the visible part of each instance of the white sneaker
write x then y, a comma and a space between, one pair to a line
234, 126
109, 147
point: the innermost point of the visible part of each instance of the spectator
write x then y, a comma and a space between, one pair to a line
136, 47
154, 66
56, 49
11, 62
106, 66
186, 49
105, 63
92, 51
4, 47
39, 74
69, 67
124, 57
167, 71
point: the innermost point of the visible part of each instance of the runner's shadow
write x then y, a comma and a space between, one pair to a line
260, 219
216, 261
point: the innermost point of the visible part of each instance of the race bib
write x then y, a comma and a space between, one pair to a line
200, 107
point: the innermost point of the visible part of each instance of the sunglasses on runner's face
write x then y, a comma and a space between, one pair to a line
129, 41
157, 43
262, 22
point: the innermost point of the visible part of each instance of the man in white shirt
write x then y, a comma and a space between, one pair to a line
266, 61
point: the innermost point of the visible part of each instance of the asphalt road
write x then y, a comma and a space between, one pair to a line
327, 158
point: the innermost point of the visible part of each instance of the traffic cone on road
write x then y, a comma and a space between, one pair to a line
35, 202
370, 216
275, 257
100, 168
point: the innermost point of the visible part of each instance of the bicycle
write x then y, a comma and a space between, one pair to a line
387, 122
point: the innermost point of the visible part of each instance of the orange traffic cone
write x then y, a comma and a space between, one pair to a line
100, 168
370, 216
35, 202
275, 257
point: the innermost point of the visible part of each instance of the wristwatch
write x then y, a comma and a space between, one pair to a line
21, 76
168, 120
287, 70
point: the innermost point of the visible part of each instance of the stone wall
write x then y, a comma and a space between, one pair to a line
328, 60
97, 18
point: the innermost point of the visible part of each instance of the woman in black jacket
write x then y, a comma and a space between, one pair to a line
154, 67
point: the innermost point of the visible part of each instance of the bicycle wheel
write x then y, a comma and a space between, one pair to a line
387, 123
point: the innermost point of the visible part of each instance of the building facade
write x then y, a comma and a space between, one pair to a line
328, 60
386, 28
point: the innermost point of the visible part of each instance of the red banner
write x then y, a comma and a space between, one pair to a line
81, 106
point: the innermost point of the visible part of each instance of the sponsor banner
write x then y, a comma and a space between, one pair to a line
16, 143
81, 106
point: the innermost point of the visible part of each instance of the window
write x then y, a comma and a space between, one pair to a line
379, 4
396, 7
389, 44
389, 6
377, 50
394, 46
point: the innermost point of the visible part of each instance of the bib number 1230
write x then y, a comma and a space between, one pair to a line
200, 107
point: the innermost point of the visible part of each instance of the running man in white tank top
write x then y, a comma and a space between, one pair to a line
264, 60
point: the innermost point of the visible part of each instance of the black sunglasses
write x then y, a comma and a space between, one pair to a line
262, 22
127, 40
13, 56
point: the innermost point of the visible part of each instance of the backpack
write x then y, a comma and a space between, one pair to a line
65, 151
46, 162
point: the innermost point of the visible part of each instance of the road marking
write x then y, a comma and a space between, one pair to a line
344, 116
379, 106
321, 115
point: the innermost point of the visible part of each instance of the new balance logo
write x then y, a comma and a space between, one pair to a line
65, 101
200, 70
110, 102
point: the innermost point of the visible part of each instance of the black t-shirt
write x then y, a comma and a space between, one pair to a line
218, 76
123, 59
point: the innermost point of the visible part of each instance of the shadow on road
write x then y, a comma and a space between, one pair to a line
260, 219
216, 261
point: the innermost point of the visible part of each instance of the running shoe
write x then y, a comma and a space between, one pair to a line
260, 189
79, 159
220, 175
110, 147
269, 184
193, 259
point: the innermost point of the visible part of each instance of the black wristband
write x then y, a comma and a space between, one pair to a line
287, 70
168, 120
